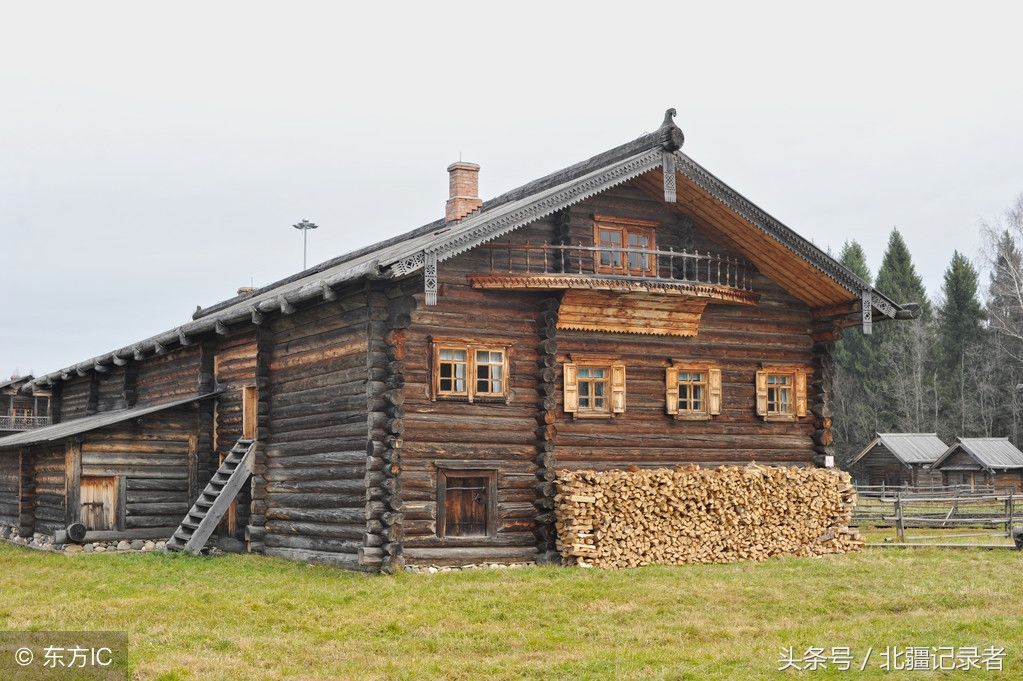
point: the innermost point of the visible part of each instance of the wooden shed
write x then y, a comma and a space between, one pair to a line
974, 461
899, 459
411, 401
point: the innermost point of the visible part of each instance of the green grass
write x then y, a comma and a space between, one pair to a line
249, 617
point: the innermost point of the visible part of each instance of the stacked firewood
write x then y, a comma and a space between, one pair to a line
620, 519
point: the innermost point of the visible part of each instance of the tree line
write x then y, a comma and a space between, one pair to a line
957, 369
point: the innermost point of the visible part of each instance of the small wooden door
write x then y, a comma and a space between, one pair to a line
99, 502
466, 501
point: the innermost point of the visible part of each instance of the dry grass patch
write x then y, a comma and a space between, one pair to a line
258, 618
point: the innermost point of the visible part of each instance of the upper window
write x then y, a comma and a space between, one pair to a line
781, 393
619, 239
469, 371
693, 391
594, 388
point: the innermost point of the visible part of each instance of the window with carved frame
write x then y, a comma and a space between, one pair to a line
615, 236
781, 392
693, 391
593, 387
470, 370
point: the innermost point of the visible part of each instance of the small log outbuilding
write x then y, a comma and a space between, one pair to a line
411, 401
899, 459
975, 461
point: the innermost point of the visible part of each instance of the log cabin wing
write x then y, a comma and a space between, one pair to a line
412, 400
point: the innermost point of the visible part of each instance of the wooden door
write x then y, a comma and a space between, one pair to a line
99, 502
465, 506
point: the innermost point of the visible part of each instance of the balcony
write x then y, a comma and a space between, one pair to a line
553, 267
621, 289
9, 423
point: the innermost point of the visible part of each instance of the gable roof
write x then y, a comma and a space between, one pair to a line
910, 448
408, 253
59, 431
990, 452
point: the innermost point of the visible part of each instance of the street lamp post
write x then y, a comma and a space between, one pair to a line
305, 226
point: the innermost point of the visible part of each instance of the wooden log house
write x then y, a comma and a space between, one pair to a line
411, 401
899, 459
982, 461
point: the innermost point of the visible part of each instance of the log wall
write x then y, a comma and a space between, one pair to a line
48, 477
234, 368
156, 466
9, 475
163, 378
74, 398
530, 436
315, 460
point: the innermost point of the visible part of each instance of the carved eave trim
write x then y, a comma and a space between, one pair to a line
770, 226
557, 282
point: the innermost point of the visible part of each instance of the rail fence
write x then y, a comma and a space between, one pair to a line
954, 516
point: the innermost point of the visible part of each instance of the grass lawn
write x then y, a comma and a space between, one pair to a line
249, 617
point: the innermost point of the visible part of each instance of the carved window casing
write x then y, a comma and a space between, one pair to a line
614, 235
693, 391
594, 387
781, 393
469, 369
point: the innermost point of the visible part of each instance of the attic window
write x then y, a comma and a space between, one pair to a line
616, 237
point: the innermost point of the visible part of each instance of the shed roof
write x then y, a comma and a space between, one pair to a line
909, 448
59, 431
408, 253
993, 453
15, 380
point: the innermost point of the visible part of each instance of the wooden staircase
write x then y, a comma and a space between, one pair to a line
209, 509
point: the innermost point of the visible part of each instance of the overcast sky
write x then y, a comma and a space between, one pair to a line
153, 157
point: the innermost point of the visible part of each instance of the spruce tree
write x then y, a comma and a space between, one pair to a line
960, 337
901, 384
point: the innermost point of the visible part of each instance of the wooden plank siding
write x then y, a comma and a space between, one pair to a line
315, 459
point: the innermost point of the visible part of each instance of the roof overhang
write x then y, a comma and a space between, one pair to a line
60, 431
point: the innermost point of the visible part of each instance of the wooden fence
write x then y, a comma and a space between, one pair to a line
947, 517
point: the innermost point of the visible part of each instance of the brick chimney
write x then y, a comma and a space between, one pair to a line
464, 181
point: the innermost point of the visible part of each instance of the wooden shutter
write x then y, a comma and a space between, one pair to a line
800, 392
571, 388
671, 390
762, 393
714, 391
618, 388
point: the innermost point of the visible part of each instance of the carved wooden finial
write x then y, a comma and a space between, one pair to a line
671, 136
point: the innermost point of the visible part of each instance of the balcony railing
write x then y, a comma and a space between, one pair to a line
640, 264
8, 422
